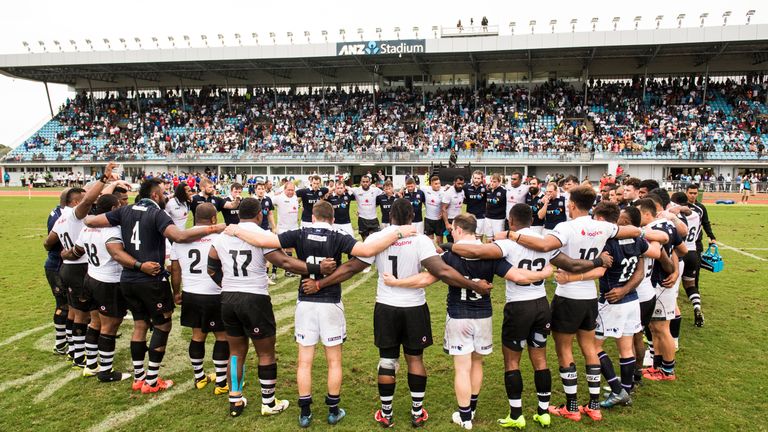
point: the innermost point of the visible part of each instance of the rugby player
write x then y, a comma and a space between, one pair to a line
235, 195
553, 208
533, 199
208, 194
62, 326
267, 219
309, 196
200, 302
475, 199
417, 198
246, 308
496, 204
384, 202
144, 226
453, 200
341, 199
401, 315
365, 195
287, 205
178, 206
433, 217
320, 315
516, 191
468, 326
692, 291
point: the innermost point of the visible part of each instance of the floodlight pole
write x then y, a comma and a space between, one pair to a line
48, 94
706, 78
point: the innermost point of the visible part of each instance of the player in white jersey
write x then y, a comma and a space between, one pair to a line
103, 284
401, 315
468, 326
177, 207
241, 271
66, 231
200, 300
574, 307
691, 262
527, 314
453, 200
433, 217
287, 205
516, 191
365, 195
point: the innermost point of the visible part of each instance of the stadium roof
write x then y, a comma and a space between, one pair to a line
732, 49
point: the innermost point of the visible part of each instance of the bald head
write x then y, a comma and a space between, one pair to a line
205, 214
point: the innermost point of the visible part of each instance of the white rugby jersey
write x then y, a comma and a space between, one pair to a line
243, 265
193, 260
366, 201
582, 238
287, 212
693, 221
516, 195
434, 202
646, 291
523, 258
68, 228
402, 259
101, 266
454, 200
178, 212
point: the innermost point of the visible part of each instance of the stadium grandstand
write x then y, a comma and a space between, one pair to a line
661, 103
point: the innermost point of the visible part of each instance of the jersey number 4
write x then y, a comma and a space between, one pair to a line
243, 270
135, 240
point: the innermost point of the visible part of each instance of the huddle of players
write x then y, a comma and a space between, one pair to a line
233, 301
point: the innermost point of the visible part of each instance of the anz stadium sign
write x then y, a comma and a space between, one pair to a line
406, 46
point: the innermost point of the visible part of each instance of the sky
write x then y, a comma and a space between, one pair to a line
24, 106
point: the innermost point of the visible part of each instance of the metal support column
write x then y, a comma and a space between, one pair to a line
373, 83
645, 82
706, 78
586, 87
226, 83
181, 88
93, 105
48, 94
136, 95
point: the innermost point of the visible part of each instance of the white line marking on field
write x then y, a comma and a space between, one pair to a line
24, 334
117, 419
53, 386
29, 378
725, 246
757, 249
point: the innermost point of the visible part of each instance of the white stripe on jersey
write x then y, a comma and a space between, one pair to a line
521, 257
433, 201
178, 212
454, 200
101, 266
366, 201
193, 260
582, 238
402, 259
68, 228
646, 291
287, 212
243, 265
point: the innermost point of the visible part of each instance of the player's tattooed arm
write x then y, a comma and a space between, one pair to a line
547, 243
343, 273
372, 246
258, 239
475, 251
618, 293
449, 275
117, 252
420, 280
214, 266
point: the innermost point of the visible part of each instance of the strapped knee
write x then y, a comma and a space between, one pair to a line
388, 366
158, 340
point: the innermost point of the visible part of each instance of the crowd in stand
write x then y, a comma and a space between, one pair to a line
667, 116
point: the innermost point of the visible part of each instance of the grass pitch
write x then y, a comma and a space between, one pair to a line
721, 367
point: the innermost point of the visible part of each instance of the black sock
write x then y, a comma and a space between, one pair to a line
157, 344
106, 352
68, 335
569, 378
196, 358
268, 381
305, 405
91, 347
674, 326
60, 330
606, 367
668, 367
386, 394
473, 402
138, 352
543, 381
333, 403
627, 366
220, 359
694, 296
513, 382
657, 361
417, 384
465, 413
78, 340
593, 382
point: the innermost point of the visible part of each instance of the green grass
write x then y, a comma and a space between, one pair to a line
722, 367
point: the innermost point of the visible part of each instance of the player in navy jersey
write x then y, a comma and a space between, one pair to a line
235, 195
552, 208
496, 206
341, 199
208, 194
475, 199
62, 327
319, 316
534, 199
416, 197
384, 202
309, 196
468, 328
144, 227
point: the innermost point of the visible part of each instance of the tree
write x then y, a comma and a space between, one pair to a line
4, 149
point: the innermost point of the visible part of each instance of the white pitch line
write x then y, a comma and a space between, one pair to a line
725, 246
29, 378
757, 249
55, 385
24, 334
